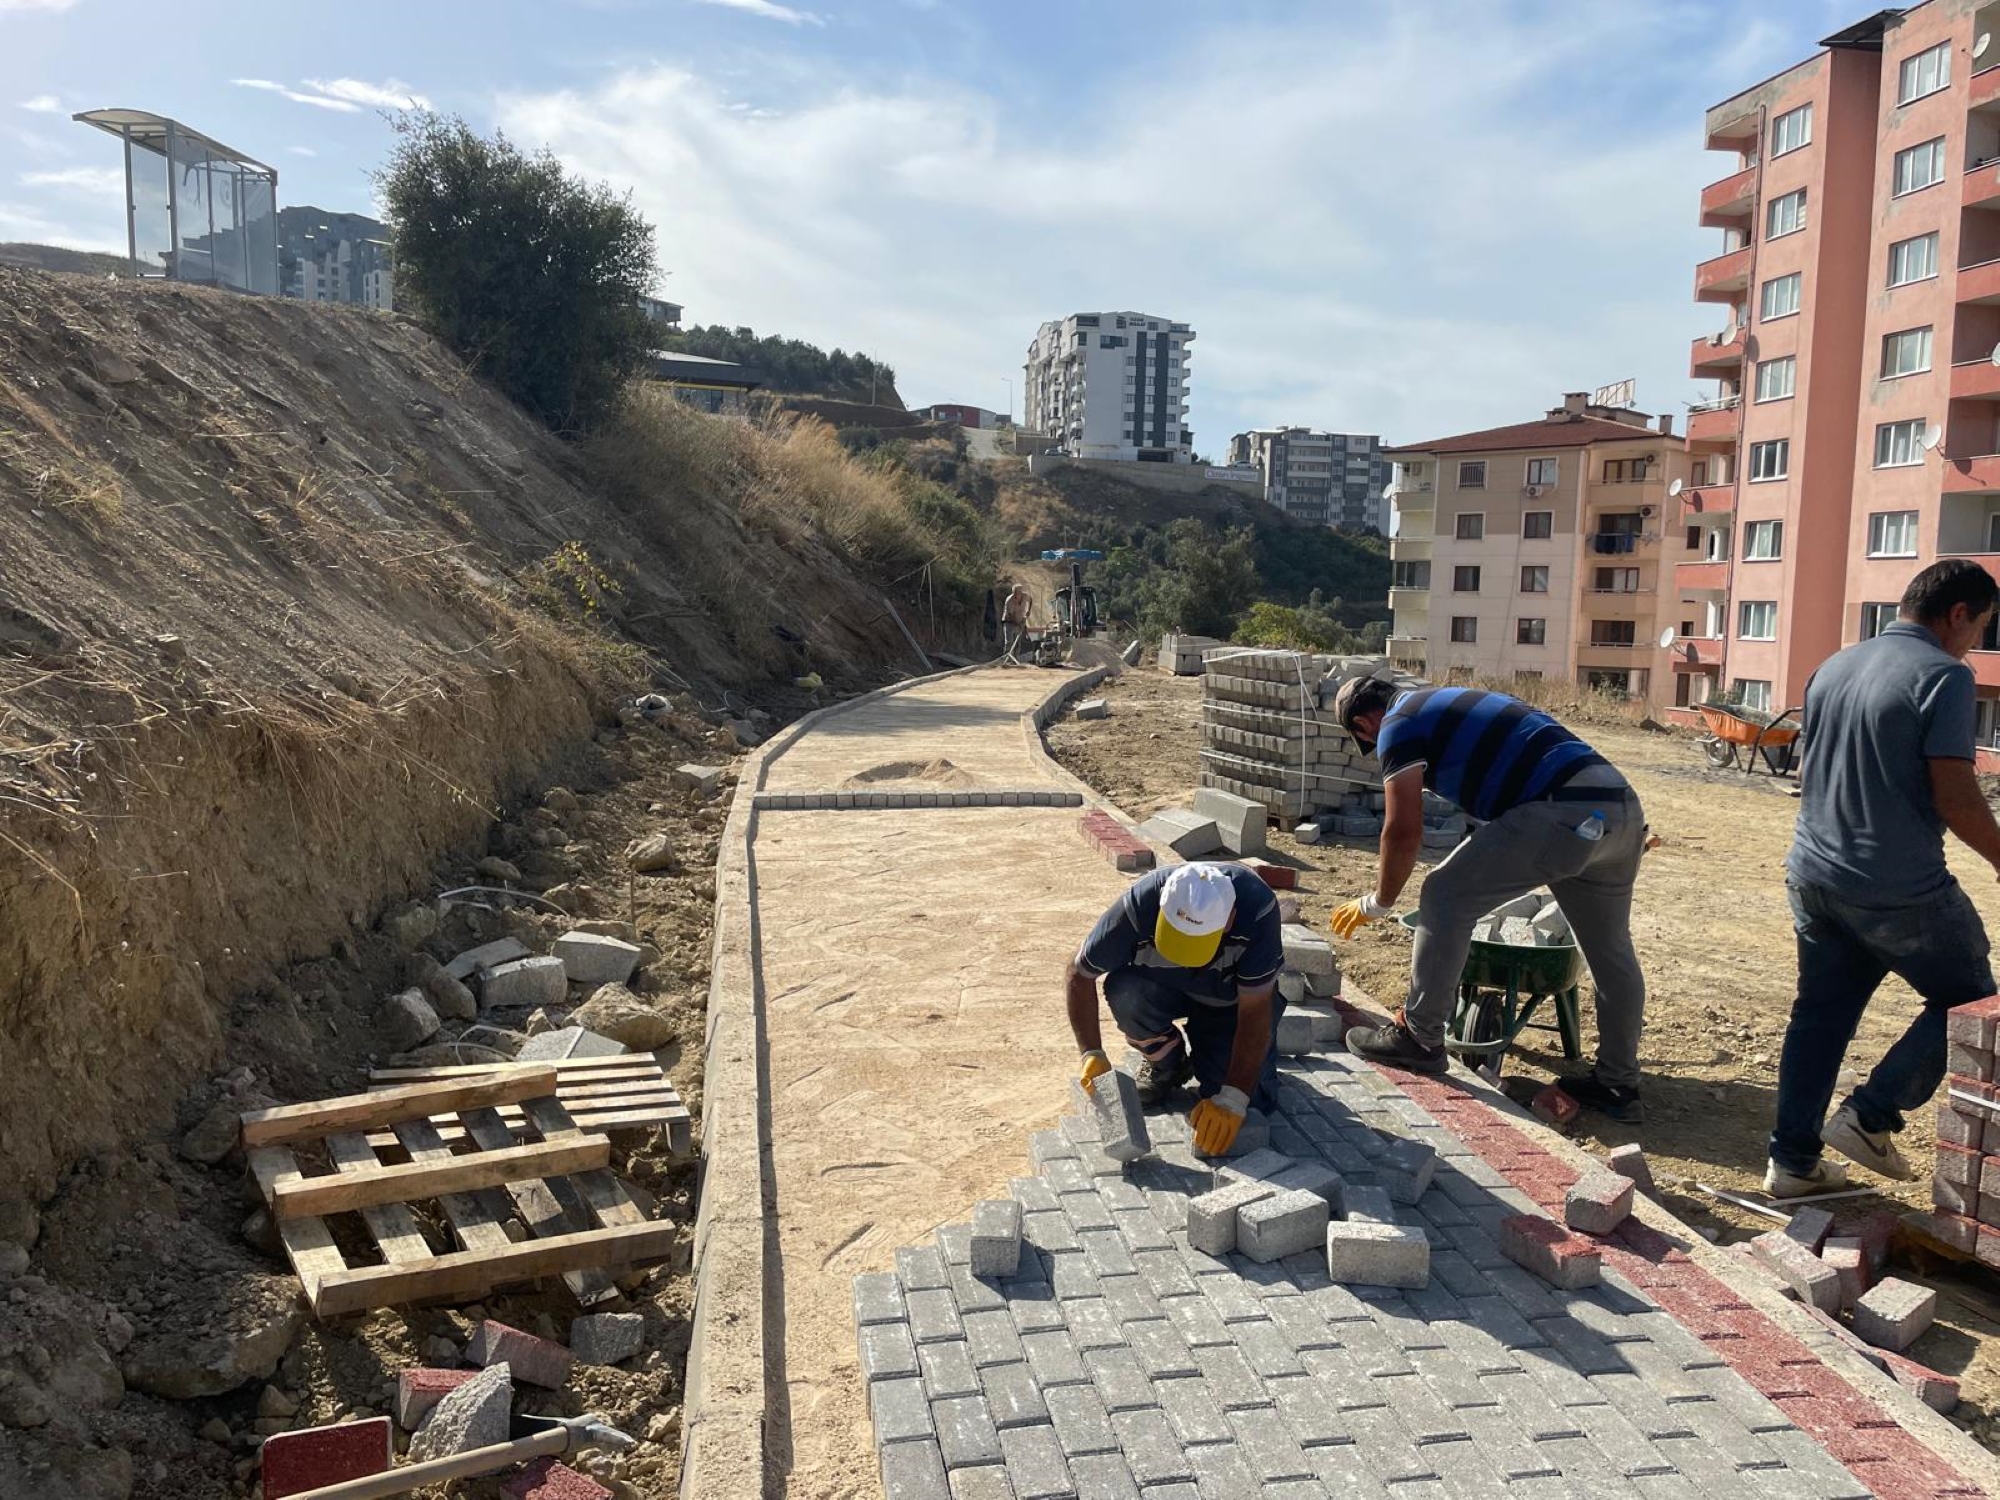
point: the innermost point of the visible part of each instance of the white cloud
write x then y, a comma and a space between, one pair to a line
47, 5
302, 151
770, 10
1358, 242
27, 221
391, 93
79, 180
41, 104
318, 100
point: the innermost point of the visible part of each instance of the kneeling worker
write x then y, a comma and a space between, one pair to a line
1198, 944
1555, 813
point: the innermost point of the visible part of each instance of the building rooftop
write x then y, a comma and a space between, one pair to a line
1558, 430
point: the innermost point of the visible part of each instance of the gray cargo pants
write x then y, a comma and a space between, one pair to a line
1533, 845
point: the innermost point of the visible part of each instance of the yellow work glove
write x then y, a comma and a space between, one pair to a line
1216, 1121
1356, 915
1095, 1065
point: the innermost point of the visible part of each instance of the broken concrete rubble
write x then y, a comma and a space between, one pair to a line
486, 956
652, 854
406, 1020
524, 983
606, 1338
567, 1041
449, 997
615, 1012
592, 958
475, 1415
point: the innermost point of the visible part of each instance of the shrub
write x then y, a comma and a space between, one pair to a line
532, 275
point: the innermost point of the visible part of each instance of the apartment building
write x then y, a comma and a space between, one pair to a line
1327, 478
1545, 549
1111, 385
1855, 436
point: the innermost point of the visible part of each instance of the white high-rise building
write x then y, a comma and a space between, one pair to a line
1112, 385
1326, 478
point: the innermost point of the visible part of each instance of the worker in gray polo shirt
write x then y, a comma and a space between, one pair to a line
1888, 768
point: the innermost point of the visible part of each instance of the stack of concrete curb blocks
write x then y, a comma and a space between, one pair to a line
1126, 851
1180, 655
1965, 1186
1310, 984
1444, 823
1238, 820
1269, 735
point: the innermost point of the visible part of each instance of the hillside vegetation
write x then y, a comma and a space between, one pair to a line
792, 366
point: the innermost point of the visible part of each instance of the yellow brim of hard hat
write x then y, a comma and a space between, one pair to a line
1186, 949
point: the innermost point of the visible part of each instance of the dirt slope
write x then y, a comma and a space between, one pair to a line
289, 607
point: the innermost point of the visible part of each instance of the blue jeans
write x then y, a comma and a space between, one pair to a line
1937, 946
1143, 1007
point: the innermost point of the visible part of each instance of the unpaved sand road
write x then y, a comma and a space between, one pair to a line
1711, 927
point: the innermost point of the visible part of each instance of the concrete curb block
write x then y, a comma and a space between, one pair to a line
866, 801
727, 1417
1039, 719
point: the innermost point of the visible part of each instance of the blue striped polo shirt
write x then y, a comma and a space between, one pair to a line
1485, 751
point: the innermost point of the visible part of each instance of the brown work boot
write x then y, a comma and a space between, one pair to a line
1393, 1044
1161, 1080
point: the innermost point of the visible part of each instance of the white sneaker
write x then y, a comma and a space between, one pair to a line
1825, 1177
1875, 1150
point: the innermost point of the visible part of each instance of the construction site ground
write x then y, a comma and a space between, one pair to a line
1713, 932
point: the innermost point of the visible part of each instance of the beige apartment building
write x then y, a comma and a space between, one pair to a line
1542, 550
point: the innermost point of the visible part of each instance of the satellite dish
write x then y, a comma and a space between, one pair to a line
1667, 637
1390, 492
1676, 487
1979, 47
1995, 356
1933, 435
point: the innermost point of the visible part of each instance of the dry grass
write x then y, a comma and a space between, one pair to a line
1567, 701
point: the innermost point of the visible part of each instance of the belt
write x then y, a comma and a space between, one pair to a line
1590, 794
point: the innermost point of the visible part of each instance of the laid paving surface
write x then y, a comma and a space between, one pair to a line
1119, 1361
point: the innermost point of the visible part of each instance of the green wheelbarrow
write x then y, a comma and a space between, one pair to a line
1501, 988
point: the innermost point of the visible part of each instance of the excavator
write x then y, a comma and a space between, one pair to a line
1075, 605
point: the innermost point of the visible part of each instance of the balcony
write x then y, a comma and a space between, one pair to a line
1725, 204
1982, 185
1409, 548
1712, 503
1407, 600
1704, 577
1694, 652
1716, 355
1713, 425
1984, 90
1619, 543
1980, 283
1976, 473
1726, 278
1975, 380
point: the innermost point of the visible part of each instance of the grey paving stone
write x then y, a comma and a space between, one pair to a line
912, 1471
1387, 1450
1140, 1230
1502, 1322
965, 1432
900, 1410
1070, 1274
1534, 1411
1303, 1323
974, 1294
992, 1339
887, 1351
1503, 1448
1053, 1359
1066, 1174
1476, 1351
1586, 1352
1103, 1477
1372, 1349
878, 1298
1129, 1298
1120, 1379
1166, 1274
1267, 1446
1453, 1379
1034, 1306
954, 1243
1634, 1397
1080, 1419
1232, 1297
1220, 1470
1342, 1472
1152, 1451
1196, 1320
1267, 1349
1035, 1463
1086, 1211
1049, 1231
1091, 1325
988, 1482
921, 1268
1588, 1470
1407, 1324
1619, 1439
1230, 1379
947, 1370
1306, 1404
1161, 1352
1012, 1397
1034, 1195
934, 1315
1193, 1411
1107, 1251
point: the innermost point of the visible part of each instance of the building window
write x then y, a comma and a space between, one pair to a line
1780, 297
1410, 575
1472, 474
1541, 471
1892, 533
1614, 632
1535, 580
1531, 632
1986, 723
1918, 166
1913, 259
1471, 525
1791, 130
1926, 73
1874, 617
1763, 541
1616, 581
1776, 377
1694, 538
1754, 692
1786, 215
1537, 525
1906, 353
1772, 460
1627, 470
1464, 630
1465, 579
1899, 443
1757, 620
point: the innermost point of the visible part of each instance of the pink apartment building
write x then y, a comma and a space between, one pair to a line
1855, 437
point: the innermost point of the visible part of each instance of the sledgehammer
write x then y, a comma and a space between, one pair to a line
549, 1435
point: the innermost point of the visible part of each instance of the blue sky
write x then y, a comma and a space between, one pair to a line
1409, 219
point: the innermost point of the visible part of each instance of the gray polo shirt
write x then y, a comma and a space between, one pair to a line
1876, 715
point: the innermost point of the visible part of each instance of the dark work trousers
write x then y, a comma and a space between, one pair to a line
1937, 946
1143, 1007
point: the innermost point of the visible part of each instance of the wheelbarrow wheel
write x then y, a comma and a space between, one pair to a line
1485, 1022
1721, 754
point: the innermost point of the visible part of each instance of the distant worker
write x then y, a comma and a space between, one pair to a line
1015, 614
1555, 813
1198, 944
1889, 739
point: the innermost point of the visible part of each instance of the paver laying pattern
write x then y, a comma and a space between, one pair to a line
911, 963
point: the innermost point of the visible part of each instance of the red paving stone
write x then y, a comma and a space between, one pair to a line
1849, 1423
310, 1459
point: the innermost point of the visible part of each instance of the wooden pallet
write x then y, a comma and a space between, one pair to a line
602, 1094
580, 1220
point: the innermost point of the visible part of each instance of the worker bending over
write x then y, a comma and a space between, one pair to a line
1555, 813
1198, 945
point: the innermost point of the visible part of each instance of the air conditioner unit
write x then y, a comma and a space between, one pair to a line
1645, 510
1532, 491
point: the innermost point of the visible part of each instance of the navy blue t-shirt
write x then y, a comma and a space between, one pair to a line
1252, 951
1485, 751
